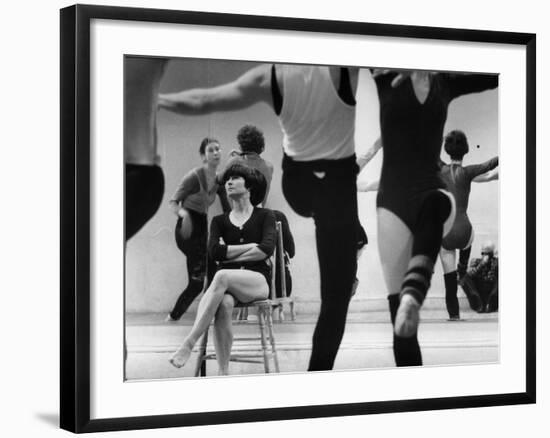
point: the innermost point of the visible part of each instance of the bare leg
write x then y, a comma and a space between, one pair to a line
448, 260
245, 285
435, 210
223, 331
205, 313
395, 248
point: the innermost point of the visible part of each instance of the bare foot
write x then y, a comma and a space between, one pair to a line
181, 356
407, 318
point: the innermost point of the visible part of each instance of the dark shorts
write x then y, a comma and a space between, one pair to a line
144, 188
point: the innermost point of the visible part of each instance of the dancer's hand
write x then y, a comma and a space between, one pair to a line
401, 75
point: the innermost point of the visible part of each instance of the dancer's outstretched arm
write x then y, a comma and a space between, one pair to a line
252, 87
492, 175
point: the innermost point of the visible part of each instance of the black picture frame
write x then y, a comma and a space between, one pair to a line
75, 217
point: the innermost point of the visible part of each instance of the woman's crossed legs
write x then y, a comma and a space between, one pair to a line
245, 286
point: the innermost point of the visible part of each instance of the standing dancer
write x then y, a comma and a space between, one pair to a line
144, 185
316, 110
194, 195
144, 180
251, 145
458, 179
413, 209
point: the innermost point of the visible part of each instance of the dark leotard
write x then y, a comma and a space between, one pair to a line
458, 180
412, 134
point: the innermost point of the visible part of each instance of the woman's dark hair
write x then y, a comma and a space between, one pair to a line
205, 142
456, 144
251, 139
253, 181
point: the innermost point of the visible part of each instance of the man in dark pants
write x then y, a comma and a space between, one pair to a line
316, 110
289, 249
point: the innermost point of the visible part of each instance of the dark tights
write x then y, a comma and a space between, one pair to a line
331, 199
463, 257
406, 351
194, 249
451, 299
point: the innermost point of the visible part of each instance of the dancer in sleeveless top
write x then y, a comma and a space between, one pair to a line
458, 180
194, 195
414, 210
316, 110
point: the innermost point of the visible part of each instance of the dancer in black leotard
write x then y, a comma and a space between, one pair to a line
458, 180
411, 203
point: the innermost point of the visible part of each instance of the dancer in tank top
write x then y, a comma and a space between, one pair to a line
414, 209
194, 195
316, 110
458, 180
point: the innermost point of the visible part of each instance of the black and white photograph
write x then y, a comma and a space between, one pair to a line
278, 219
275, 219
292, 218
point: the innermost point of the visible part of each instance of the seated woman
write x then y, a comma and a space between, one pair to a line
240, 241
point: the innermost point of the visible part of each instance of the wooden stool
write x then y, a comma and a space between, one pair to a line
266, 353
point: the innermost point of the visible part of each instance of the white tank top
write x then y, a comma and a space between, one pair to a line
316, 123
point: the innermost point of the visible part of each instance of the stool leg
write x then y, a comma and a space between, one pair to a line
261, 322
200, 367
281, 312
272, 341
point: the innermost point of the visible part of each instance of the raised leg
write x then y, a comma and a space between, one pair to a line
245, 285
395, 246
